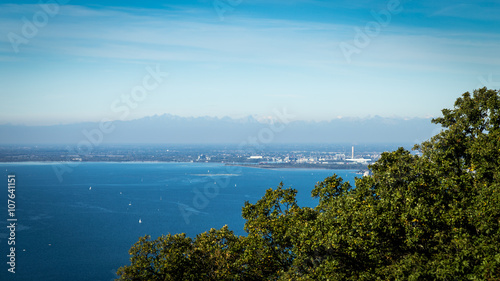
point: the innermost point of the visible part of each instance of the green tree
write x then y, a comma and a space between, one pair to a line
429, 217
212, 255
166, 258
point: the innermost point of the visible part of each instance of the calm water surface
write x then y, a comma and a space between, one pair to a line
81, 227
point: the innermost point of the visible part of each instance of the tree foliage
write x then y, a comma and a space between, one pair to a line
430, 216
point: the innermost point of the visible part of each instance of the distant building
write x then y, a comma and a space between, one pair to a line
255, 157
358, 160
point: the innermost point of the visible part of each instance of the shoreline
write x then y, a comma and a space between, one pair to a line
304, 166
248, 165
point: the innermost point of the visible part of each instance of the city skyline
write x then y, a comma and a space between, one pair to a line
81, 61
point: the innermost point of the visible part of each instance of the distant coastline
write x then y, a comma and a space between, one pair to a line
333, 157
303, 166
248, 165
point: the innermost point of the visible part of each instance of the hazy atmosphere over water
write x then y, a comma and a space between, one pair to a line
321, 60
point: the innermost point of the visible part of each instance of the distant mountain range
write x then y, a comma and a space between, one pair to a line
209, 130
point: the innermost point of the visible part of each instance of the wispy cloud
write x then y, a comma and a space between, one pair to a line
478, 10
149, 34
126, 34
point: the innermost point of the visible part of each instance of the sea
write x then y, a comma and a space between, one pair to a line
78, 221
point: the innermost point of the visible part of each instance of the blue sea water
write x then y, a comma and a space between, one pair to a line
80, 226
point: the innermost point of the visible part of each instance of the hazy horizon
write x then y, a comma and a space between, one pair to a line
264, 119
174, 129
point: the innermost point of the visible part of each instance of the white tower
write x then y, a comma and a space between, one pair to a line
352, 152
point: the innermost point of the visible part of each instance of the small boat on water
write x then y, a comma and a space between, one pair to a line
140, 221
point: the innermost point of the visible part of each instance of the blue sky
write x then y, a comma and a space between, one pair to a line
253, 58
